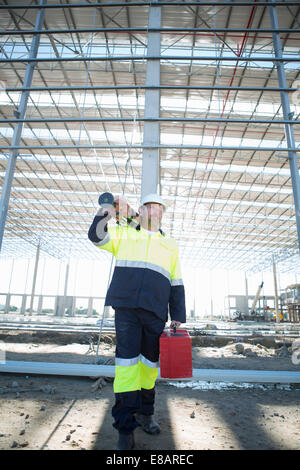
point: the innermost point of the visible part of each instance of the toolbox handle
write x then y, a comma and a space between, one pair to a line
174, 332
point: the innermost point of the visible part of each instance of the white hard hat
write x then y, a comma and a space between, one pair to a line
153, 198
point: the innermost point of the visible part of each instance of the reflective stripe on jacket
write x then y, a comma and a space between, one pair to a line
147, 272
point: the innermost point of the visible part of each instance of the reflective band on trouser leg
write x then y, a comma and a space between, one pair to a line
127, 378
149, 373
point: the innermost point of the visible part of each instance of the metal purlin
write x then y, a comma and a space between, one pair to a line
239, 54
146, 3
240, 50
9, 175
252, 183
40, 194
122, 185
82, 112
17, 223
50, 154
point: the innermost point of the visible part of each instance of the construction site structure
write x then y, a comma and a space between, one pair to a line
290, 302
262, 308
253, 308
240, 307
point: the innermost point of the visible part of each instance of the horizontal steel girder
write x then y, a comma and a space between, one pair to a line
150, 119
141, 146
211, 375
145, 30
148, 87
143, 58
149, 3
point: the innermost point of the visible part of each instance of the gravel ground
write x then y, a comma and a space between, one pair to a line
57, 413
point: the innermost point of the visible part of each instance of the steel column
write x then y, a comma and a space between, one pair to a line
151, 164
37, 257
40, 305
7, 304
275, 291
289, 131
23, 305
63, 308
246, 294
11, 164
90, 307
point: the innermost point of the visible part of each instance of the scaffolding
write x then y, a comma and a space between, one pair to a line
290, 299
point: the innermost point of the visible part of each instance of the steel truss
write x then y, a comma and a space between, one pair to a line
220, 111
139, 4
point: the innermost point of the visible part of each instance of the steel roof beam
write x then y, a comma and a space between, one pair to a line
150, 3
151, 119
141, 146
25, 32
142, 58
148, 87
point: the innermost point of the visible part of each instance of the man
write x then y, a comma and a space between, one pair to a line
146, 282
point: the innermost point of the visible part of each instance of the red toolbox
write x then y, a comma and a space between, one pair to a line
175, 354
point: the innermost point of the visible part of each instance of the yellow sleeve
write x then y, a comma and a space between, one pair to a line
176, 276
112, 240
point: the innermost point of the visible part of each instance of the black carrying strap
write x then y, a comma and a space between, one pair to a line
175, 332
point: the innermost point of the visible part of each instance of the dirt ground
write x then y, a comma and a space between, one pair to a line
71, 413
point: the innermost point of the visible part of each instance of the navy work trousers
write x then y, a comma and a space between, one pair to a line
137, 345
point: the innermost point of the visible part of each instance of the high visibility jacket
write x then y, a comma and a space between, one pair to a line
147, 271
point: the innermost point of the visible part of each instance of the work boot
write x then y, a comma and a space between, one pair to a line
125, 442
148, 423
